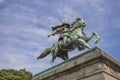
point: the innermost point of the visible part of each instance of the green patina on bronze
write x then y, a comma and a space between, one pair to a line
71, 37
57, 67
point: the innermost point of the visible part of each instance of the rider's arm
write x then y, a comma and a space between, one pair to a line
73, 28
57, 31
65, 30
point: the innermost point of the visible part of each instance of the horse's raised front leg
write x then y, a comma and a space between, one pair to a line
83, 43
97, 38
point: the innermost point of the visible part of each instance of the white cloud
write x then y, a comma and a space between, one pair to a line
24, 8
40, 2
26, 18
47, 22
1, 1
116, 23
97, 5
66, 12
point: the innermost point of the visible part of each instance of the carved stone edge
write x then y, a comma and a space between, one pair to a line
109, 65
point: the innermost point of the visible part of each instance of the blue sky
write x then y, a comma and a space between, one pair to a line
25, 24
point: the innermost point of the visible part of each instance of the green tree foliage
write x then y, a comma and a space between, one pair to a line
11, 74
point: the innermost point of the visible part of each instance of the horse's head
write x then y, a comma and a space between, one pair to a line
81, 22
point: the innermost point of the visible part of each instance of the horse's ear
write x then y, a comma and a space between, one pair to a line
78, 19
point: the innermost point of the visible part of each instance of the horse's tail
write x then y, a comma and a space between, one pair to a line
44, 53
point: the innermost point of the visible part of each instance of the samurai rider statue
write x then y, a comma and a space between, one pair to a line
71, 37
63, 31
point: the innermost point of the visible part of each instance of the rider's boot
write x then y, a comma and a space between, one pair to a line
68, 42
65, 41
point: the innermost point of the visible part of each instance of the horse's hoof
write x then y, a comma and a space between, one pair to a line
96, 40
52, 63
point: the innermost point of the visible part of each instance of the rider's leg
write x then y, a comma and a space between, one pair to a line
83, 43
66, 41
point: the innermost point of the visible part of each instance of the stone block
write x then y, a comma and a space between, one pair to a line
94, 64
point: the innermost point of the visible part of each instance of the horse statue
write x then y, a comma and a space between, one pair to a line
71, 37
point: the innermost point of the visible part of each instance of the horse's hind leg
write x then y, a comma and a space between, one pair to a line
64, 55
53, 59
54, 52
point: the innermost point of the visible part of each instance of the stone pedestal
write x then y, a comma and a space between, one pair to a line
93, 64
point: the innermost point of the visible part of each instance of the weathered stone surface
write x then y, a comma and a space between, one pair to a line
94, 64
